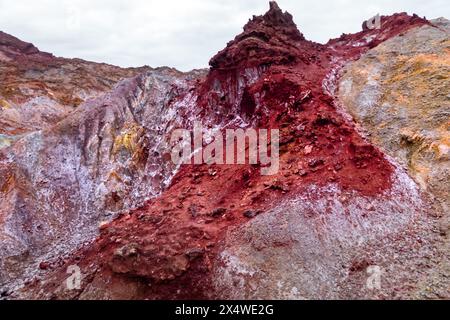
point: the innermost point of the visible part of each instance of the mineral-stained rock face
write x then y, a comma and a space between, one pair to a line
38, 89
399, 91
58, 184
336, 213
40, 176
66, 166
269, 39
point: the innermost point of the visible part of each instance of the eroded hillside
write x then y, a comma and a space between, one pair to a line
338, 206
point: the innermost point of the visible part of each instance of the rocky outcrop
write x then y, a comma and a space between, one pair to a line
338, 209
12, 48
67, 165
398, 92
58, 184
269, 39
325, 242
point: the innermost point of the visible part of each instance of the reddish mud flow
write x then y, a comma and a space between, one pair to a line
273, 78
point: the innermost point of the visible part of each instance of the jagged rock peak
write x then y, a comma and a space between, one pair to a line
267, 39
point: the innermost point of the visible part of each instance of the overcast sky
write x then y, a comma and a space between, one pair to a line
180, 33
